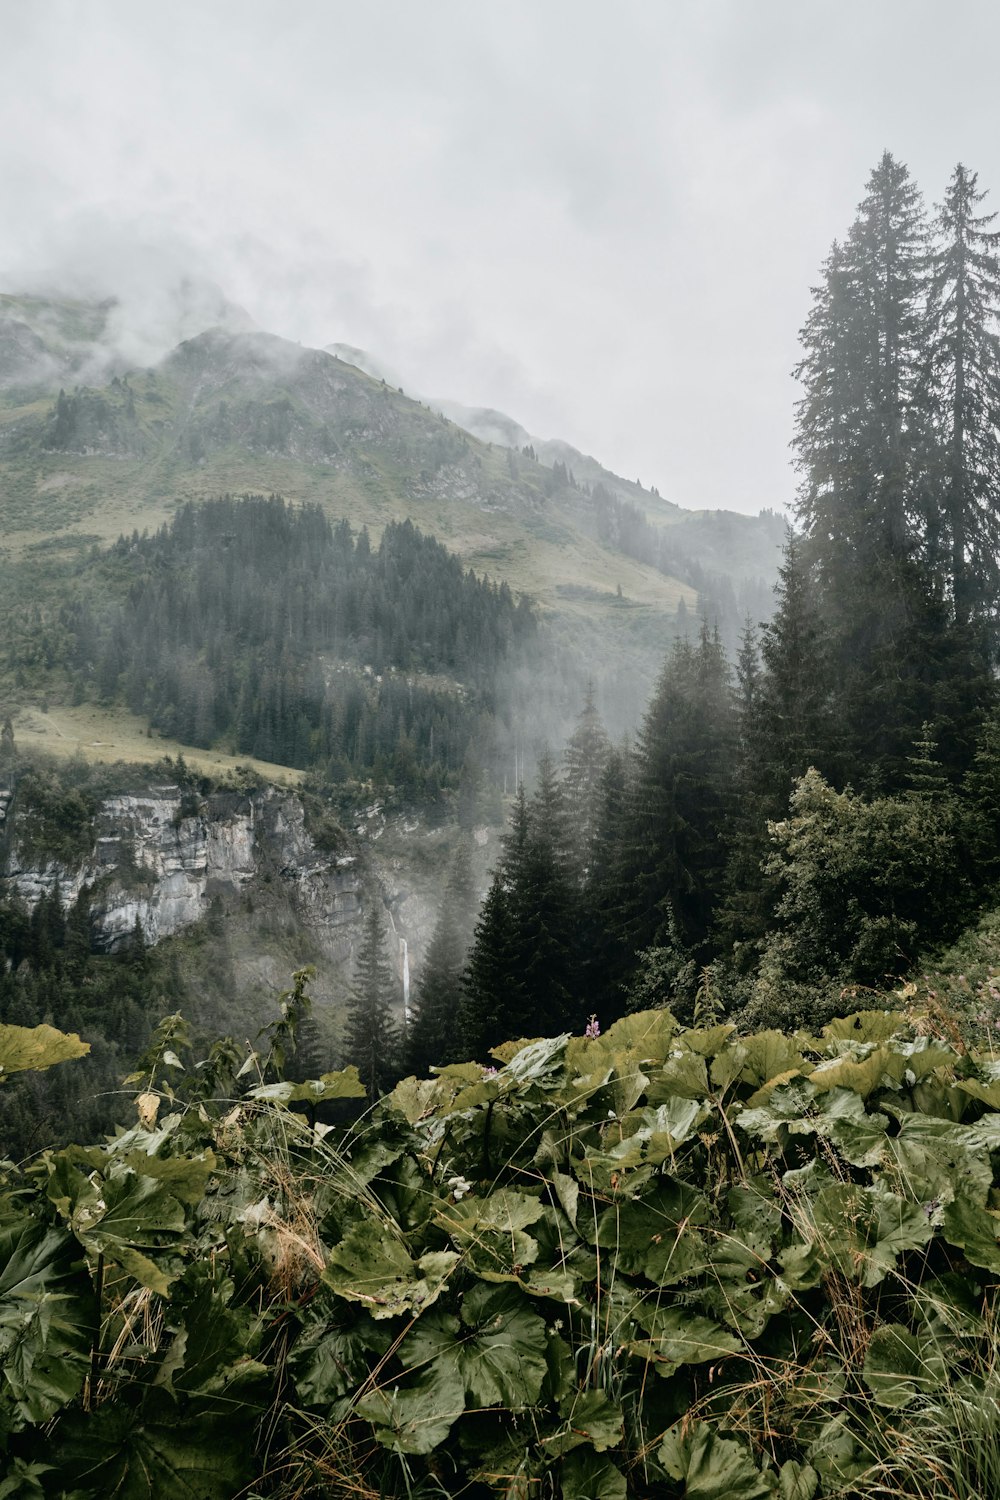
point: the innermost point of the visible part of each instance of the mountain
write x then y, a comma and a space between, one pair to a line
729, 543
92, 448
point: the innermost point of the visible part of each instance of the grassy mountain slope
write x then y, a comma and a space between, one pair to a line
251, 411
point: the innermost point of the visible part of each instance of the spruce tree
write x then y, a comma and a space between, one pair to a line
371, 1038
864, 448
492, 989
962, 385
544, 910
433, 1033
584, 762
673, 853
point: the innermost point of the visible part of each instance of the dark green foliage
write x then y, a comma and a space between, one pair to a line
371, 1040
262, 625
678, 799
884, 526
525, 967
859, 886
433, 1034
659, 1262
961, 384
48, 973
585, 760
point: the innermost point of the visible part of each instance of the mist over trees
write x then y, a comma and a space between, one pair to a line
811, 815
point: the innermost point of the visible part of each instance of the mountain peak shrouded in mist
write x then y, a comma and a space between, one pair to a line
232, 408
47, 335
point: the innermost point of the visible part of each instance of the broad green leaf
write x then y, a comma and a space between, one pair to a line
646, 1037
973, 1229
24, 1481
328, 1362
797, 1481
38, 1047
586, 1475
706, 1041
186, 1177
865, 1026
416, 1098
768, 1053
936, 1159
683, 1074
899, 1367
590, 1417
499, 1349
506, 1050
490, 1231
504, 1360
158, 1452
416, 1417
676, 1336
656, 1234
567, 1191
837, 1455
901, 1226
343, 1084
372, 1267
711, 1467
882, 1067
48, 1317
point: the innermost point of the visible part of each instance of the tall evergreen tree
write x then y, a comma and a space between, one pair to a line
433, 1033
371, 1031
678, 799
492, 987
864, 448
544, 910
584, 762
962, 385
859, 430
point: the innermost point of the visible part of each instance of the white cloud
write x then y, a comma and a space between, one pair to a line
603, 219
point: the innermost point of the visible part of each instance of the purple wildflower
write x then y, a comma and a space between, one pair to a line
593, 1030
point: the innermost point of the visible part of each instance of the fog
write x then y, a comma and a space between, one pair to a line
602, 221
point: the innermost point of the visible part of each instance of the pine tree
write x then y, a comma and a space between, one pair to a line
544, 911
859, 431
584, 762
792, 724
371, 1032
962, 385
492, 989
606, 953
433, 1033
673, 850
864, 448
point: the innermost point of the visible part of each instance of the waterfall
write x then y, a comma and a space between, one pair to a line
406, 980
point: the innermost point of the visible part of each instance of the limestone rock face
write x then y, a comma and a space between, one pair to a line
160, 856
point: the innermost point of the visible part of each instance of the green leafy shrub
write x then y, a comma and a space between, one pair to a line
658, 1261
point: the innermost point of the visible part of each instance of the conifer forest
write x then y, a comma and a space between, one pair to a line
621, 1128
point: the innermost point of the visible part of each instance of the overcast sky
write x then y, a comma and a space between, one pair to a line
601, 216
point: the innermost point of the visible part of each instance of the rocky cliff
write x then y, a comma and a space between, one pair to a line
161, 859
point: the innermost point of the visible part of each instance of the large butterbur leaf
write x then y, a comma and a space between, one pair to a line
373, 1267
676, 1336
343, 1084
157, 1451
586, 1475
36, 1047
499, 1348
590, 1418
712, 1467
416, 1416
491, 1232
48, 1318
899, 1367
